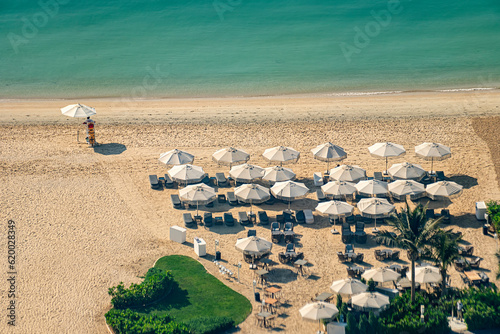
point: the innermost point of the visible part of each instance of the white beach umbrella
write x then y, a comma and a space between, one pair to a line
386, 150
335, 208
229, 156
406, 171
432, 151
349, 286
254, 246
370, 301
176, 157
289, 191
381, 275
347, 173
328, 152
186, 173
252, 193
318, 311
375, 208
372, 188
246, 173
402, 188
198, 193
278, 174
443, 189
339, 189
281, 154
427, 274
78, 110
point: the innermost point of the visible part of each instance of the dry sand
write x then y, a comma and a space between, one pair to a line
87, 219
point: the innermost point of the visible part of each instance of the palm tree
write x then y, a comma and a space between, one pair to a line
444, 250
498, 257
413, 231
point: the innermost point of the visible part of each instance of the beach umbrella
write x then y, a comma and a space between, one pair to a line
406, 171
339, 189
289, 191
348, 286
198, 193
370, 301
281, 154
318, 311
375, 208
254, 246
432, 151
443, 189
386, 150
278, 174
427, 274
347, 173
328, 152
252, 193
402, 188
336, 209
246, 173
176, 157
381, 275
78, 110
186, 173
229, 156
372, 188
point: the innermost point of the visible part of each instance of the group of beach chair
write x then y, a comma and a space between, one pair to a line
290, 255
359, 235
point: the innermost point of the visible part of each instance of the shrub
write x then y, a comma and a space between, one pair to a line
371, 285
210, 325
130, 322
493, 209
481, 308
339, 302
156, 285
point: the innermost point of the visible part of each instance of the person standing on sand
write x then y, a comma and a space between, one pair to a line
459, 310
90, 124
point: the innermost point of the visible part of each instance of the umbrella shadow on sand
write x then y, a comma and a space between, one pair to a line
110, 149
464, 180
281, 275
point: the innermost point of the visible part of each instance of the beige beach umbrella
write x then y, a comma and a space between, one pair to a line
78, 110
186, 174
347, 173
406, 171
318, 311
229, 156
401, 188
348, 286
381, 275
252, 193
278, 174
339, 189
336, 209
198, 193
443, 189
281, 154
386, 150
254, 246
289, 191
372, 188
367, 301
375, 208
427, 274
246, 173
433, 151
328, 152
176, 157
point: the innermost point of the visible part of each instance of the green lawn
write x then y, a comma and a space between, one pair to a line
197, 293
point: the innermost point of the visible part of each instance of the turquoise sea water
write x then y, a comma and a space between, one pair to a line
198, 48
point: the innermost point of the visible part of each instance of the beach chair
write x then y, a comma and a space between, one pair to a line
206, 180
218, 220
484, 278
474, 263
176, 201
243, 218
360, 237
445, 213
221, 180
320, 195
395, 255
378, 176
350, 220
288, 232
465, 279
208, 219
263, 218
228, 219
288, 217
349, 248
276, 233
251, 233
469, 250
351, 272
153, 181
188, 219
342, 257
309, 216
367, 220
169, 183
359, 257
440, 175
300, 217
231, 198
379, 255
221, 198
318, 179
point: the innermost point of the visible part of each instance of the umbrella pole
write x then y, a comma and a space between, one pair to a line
385, 166
197, 203
432, 165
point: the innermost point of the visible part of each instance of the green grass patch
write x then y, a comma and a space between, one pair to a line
197, 294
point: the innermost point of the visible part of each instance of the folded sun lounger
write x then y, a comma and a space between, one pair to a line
153, 181
228, 218
188, 219
221, 180
176, 202
231, 198
263, 218
243, 218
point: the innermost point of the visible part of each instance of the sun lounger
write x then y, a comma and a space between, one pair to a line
188, 219
228, 218
221, 180
276, 233
218, 220
378, 176
206, 180
169, 183
231, 198
318, 179
243, 218
208, 219
320, 195
309, 216
288, 216
351, 219
153, 181
301, 218
445, 213
251, 233
349, 248
176, 201
360, 237
221, 198
263, 218
440, 175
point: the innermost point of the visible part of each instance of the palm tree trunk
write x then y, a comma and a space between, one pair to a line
412, 281
443, 283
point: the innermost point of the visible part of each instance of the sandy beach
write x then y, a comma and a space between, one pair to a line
87, 219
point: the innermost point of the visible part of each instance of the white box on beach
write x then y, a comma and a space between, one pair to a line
200, 247
336, 327
480, 210
178, 234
